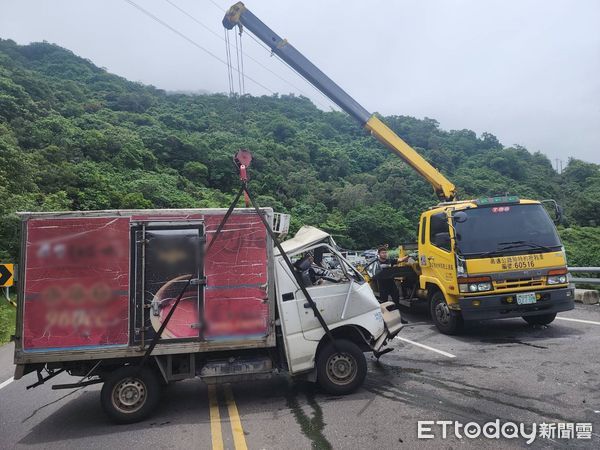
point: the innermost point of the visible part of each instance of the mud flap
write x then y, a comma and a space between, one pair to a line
20, 371
393, 325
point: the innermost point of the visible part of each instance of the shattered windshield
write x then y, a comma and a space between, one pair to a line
509, 229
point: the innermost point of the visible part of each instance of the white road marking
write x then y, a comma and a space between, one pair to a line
426, 347
6, 383
579, 320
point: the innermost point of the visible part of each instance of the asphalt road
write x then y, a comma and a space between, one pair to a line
500, 370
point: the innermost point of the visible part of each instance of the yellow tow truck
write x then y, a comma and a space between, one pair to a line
487, 258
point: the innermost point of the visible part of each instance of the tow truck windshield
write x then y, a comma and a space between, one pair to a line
506, 229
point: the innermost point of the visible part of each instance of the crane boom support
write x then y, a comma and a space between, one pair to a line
444, 188
239, 15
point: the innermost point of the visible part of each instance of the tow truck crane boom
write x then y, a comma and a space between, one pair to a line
239, 15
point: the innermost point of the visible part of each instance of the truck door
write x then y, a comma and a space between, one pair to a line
334, 301
166, 256
331, 293
437, 255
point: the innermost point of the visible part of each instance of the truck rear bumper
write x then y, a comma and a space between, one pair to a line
496, 307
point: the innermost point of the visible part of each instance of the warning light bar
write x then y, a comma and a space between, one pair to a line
492, 201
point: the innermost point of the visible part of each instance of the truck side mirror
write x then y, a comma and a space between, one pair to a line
460, 216
558, 211
559, 214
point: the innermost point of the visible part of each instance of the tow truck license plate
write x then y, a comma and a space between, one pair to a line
526, 299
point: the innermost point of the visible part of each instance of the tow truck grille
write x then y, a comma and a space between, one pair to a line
512, 283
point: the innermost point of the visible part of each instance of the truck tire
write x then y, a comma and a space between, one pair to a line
446, 320
341, 369
542, 319
130, 394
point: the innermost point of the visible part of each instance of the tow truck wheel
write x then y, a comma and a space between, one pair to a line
130, 394
341, 369
446, 320
542, 319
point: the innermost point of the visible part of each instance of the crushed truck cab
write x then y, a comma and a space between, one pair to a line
345, 301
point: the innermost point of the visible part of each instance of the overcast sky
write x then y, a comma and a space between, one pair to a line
527, 71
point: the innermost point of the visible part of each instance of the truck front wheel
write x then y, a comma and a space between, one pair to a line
130, 394
542, 319
341, 369
446, 320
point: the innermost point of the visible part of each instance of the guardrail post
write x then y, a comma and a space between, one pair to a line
585, 296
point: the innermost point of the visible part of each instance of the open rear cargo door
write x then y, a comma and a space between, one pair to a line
165, 256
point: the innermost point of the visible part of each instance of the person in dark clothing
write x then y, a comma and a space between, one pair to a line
387, 286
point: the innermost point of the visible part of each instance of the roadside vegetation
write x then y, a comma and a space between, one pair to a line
8, 318
75, 137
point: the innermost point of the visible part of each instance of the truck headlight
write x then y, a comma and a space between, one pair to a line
557, 276
557, 279
484, 287
471, 285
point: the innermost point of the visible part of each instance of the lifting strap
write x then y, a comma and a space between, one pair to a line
285, 257
311, 302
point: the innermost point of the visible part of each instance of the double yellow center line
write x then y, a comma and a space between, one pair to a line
239, 440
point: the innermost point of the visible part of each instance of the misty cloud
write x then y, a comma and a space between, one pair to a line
526, 71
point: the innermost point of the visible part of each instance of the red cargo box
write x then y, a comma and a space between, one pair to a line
107, 279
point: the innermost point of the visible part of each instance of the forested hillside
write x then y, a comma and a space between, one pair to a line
74, 137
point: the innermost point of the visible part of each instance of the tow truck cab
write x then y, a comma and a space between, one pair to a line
492, 258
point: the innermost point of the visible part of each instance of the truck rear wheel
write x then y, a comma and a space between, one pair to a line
446, 320
542, 319
130, 394
341, 369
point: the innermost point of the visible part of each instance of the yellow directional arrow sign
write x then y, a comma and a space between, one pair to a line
6, 275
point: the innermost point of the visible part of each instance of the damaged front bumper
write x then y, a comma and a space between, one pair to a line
393, 325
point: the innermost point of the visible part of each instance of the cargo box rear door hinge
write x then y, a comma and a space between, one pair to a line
198, 281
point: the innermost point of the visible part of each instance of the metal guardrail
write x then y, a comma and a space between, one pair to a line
580, 270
